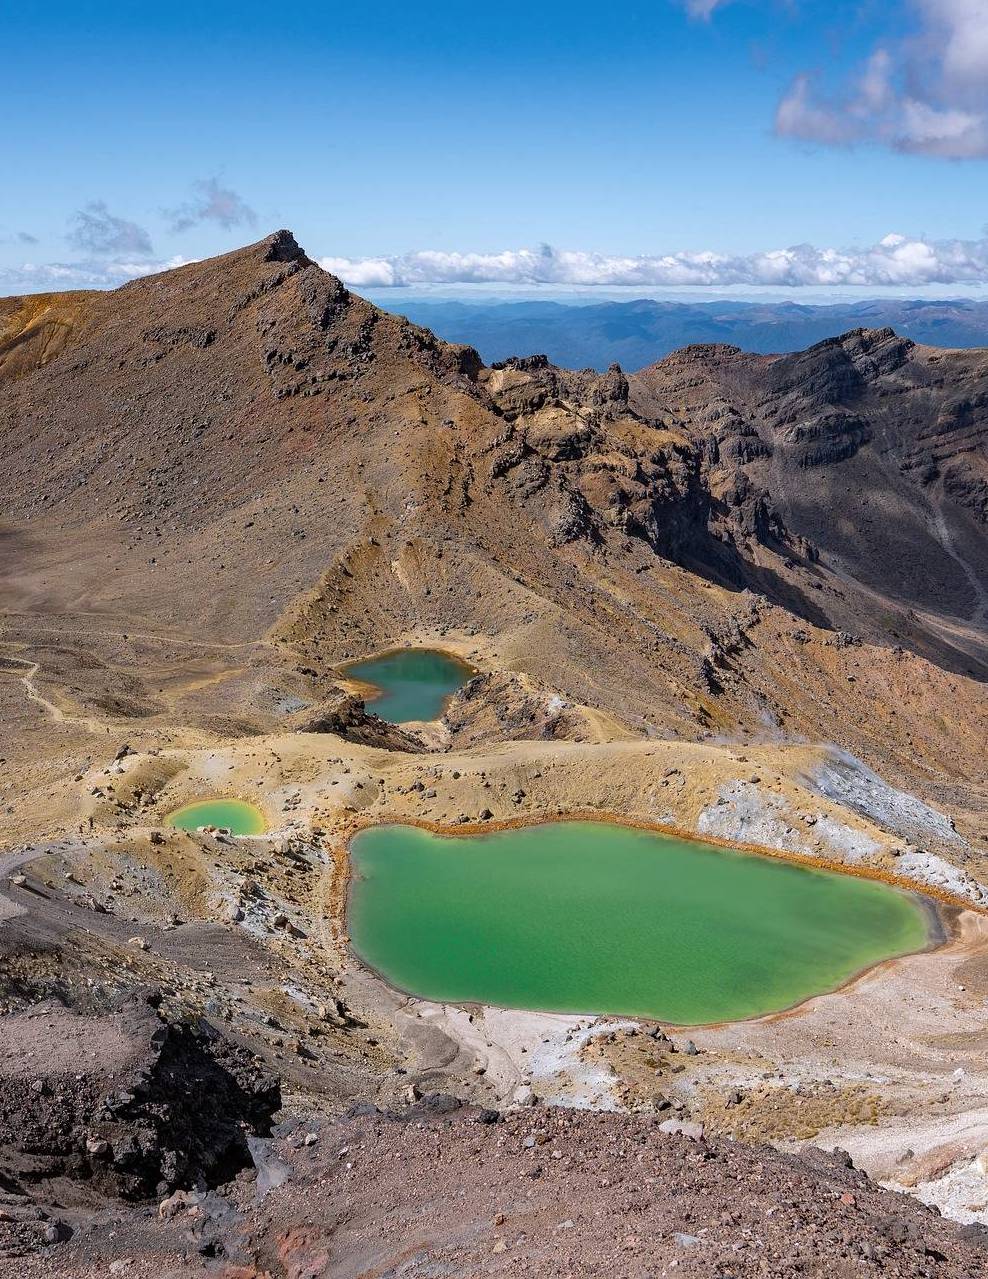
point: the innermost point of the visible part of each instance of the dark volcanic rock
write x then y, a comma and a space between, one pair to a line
895, 434
124, 1105
347, 716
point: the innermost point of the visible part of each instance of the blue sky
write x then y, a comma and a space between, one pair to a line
140, 134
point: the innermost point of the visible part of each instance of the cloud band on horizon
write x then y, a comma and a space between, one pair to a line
896, 260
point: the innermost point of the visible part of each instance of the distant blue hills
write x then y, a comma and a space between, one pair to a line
634, 334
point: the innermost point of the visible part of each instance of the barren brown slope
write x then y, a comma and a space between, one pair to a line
874, 449
193, 410
241, 447
34, 329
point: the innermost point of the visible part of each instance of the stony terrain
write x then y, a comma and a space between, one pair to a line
119, 1104
736, 596
435, 1191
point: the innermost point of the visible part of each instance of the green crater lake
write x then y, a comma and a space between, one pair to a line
239, 817
593, 918
414, 683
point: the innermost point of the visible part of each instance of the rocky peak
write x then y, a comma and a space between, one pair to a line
610, 388
839, 369
523, 363
283, 247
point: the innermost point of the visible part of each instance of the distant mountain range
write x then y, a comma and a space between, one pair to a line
635, 334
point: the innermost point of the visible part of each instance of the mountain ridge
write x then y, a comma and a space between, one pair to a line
260, 453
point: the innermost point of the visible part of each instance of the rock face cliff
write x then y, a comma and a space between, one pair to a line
874, 449
577, 448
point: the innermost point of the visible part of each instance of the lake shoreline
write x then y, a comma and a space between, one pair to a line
941, 919
372, 692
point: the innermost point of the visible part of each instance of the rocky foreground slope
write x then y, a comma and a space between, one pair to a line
740, 595
438, 1189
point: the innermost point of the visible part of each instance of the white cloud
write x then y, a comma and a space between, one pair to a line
959, 32
212, 203
949, 132
363, 273
96, 230
52, 277
801, 114
923, 91
894, 260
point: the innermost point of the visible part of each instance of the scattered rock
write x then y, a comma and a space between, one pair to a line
682, 1127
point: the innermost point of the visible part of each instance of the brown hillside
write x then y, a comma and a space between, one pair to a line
34, 329
242, 444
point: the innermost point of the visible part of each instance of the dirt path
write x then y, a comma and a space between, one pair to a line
128, 634
31, 670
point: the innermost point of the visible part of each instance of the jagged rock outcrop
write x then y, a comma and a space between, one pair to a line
509, 707
579, 453
123, 1103
348, 717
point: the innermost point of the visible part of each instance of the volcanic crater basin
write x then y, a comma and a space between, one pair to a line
407, 685
600, 918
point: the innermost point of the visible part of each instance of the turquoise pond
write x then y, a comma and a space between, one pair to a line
234, 815
411, 683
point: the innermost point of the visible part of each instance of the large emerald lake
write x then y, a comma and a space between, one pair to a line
411, 683
597, 918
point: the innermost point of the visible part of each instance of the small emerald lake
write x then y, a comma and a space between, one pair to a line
411, 683
235, 815
597, 918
